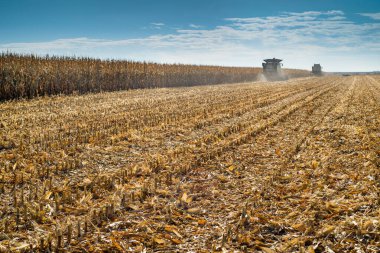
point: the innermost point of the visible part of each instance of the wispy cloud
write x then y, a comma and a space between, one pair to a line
195, 26
157, 25
302, 38
375, 16
316, 13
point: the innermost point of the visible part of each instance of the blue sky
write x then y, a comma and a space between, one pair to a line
342, 35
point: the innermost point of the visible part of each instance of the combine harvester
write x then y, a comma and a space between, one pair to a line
316, 70
272, 70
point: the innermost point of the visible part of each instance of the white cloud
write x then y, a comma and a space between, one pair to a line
157, 24
316, 13
300, 38
195, 26
375, 16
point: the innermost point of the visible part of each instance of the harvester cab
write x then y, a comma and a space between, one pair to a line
272, 70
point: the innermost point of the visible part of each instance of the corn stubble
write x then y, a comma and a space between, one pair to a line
272, 167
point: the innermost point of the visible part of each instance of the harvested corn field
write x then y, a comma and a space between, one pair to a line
260, 167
